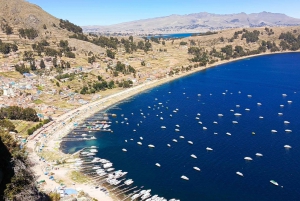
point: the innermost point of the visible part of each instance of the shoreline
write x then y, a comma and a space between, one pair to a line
63, 124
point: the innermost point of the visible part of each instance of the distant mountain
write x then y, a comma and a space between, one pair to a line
198, 22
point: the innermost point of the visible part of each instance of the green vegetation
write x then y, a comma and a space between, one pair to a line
6, 48
65, 24
21, 69
110, 54
251, 37
7, 29
31, 130
28, 33
5, 123
289, 41
204, 34
183, 43
18, 113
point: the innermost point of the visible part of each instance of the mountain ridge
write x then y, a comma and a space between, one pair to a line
196, 22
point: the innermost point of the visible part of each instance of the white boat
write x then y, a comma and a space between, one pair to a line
184, 177
231, 110
204, 128
157, 164
220, 115
240, 174
196, 168
261, 117
235, 122
215, 122
274, 182
128, 182
198, 114
163, 127
274, 131
190, 142
125, 140
247, 109
199, 122
289, 102
258, 154
284, 95
280, 114
174, 111
168, 145
177, 125
287, 146
124, 150
286, 122
209, 149
93, 138
248, 158
228, 133
177, 130
182, 137
93, 150
224, 93
259, 104
249, 96
161, 118
237, 114
215, 133
193, 156
174, 140
197, 118
288, 130
170, 115
199, 94
141, 138
237, 106
239, 92
151, 146
84, 135
281, 105
139, 143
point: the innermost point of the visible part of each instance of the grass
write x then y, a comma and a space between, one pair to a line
14, 74
23, 126
38, 101
78, 177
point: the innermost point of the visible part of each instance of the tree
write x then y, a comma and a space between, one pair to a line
44, 26
32, 65
110, 54
42, 64
163, 42
143, 63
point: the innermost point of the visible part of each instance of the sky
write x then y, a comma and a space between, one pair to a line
107, 12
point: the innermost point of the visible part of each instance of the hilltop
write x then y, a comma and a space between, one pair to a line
197, 22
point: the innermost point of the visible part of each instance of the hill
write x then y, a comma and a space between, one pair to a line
198, 22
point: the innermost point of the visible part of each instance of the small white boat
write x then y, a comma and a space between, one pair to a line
198, 114
259, 104
193, 156
287, 146
84, 135
124, 150
286, 122
247, 109
224, 93
163, 127
215, 133
168, 145
237, 106
177, 130
288, 130
281, 105
196, 168
177, 125
284, 95
184, 177
235, 122
215, 122
248, 158
141, 138
157, 164
182, 137
204, 128
249, 96
151, 146
161, 118
209, 149
197, 118
199, 94
274, 131
274, 182
289, 102
240, 174
228, 133
134, 130
231, 110
125, 140
174, 140
190, 142
280, 114
239, 92
237, 114
258, 154
199, 122
220, 115
170, 115
139, 143
261, 117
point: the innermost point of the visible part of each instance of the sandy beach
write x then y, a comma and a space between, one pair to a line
63, 124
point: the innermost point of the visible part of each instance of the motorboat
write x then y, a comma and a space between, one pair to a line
288, 130
274, 131
235, 122
124, 150
287, 146
284, 95
177, 125
220, 115
168, 145
258, 154
193, 156
196, 168
240, 174
280, 114
184, 177
177, 130
209, 149
139, 143
182, 137
247, 109
163, 127
204, 128
260, 117
237, 106
151, 146
157, 164
286, 122
248, 158
190, 142
228, 133
259, 104
249, 96
281, 105
237, 114
289, 102
174, 140
274, 182
215, 122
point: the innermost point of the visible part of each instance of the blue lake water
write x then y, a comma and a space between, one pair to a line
175, 35
266, 78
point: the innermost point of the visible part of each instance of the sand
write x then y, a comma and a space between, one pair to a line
56, 129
